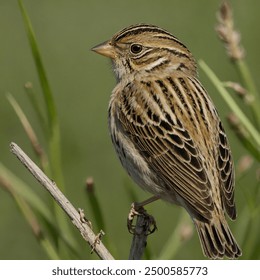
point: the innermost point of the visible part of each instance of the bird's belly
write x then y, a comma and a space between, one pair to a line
133, 162
138, 169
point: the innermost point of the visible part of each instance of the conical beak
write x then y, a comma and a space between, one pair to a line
105, 49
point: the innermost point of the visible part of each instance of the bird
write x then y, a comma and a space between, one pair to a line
168, 134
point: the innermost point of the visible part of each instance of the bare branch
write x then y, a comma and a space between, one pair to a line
64, 203
145, 225
139, 239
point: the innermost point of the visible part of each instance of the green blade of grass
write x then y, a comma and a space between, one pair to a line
250, 85
250, 147
95, 204
53, 123
30, 133
22, 190
174, 242
36, 106
50, 105
231, 103
31, 219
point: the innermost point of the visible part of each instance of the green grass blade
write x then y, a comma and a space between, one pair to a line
50, 105
30, 133
31, 219
250, 147
36, 106
250, 85
22, 190
94, 203
175, 241
54, 129
231, 103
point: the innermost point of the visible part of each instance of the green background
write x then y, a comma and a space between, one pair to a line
82, 82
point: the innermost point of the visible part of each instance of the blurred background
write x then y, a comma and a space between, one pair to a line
82, 83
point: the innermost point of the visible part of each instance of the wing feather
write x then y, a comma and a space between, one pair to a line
226, 174
175, 160
180, 161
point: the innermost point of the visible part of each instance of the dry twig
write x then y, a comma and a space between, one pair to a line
145, 225
64, 203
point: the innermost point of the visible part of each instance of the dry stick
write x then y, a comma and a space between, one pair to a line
139, 239
68, 208
145, 225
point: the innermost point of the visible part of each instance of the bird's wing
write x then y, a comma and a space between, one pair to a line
172, 156
226, 173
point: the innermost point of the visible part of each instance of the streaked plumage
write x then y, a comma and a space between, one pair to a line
167, 132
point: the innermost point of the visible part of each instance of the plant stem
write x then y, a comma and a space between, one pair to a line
53, 122
250, 85
231, 103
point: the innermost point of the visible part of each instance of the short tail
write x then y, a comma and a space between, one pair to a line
217, 240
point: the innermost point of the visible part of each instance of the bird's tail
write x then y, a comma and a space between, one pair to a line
217, 239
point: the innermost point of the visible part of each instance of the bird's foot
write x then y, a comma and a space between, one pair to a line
149, 224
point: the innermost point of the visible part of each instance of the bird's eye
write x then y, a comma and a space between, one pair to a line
136, 48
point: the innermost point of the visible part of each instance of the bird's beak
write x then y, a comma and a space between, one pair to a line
105, 49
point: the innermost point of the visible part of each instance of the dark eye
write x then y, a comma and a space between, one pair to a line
136, 48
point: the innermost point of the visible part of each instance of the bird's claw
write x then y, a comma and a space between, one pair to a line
149, 224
